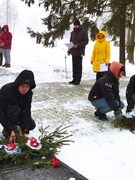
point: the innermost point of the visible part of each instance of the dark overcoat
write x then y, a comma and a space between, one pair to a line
79, 37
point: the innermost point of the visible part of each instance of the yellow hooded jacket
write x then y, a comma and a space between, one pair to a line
101, 52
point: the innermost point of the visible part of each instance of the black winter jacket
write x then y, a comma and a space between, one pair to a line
130, 91
106, 87
9, 95
79, 37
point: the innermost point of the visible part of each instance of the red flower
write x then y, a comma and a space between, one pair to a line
11, 146
56, 162
34, 143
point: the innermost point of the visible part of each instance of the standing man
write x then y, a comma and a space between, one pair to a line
79, 38
6, 41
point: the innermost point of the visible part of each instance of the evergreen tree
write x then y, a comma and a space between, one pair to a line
121, 17
63, 12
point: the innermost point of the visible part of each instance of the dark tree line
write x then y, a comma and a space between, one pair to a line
63, 12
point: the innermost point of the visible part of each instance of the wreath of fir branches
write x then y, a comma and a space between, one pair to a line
51, 145
126, 123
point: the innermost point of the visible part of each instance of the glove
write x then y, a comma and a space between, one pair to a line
68, 53
128, 109
118, 114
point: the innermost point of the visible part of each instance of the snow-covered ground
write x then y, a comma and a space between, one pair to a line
98, 155
107, 154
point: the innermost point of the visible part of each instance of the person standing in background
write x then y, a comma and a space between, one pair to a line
1, 55
79, 38
6, 42
101, 53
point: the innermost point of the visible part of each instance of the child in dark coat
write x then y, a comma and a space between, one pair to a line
15, 105
104, 95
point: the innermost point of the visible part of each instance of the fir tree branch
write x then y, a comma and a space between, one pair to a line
51, 142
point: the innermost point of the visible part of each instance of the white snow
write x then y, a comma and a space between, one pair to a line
107, 155
95, 154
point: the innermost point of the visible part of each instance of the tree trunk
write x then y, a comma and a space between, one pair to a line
122, 36
130, 47
122, 44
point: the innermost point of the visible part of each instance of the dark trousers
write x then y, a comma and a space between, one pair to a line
99, 75
77, 68
1, 59
13, 114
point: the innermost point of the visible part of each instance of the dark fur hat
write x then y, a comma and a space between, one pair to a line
77, 22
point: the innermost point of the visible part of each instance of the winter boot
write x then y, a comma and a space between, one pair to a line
100, 115
71, 82
3, 65
7, 65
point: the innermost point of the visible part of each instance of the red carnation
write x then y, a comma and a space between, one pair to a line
11, 146
34, 143
56, 162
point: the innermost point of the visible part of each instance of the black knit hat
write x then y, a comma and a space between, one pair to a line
77, 22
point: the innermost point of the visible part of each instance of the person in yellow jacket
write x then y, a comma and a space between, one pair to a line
101, 53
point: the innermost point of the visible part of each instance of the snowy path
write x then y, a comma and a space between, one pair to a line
98, 145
